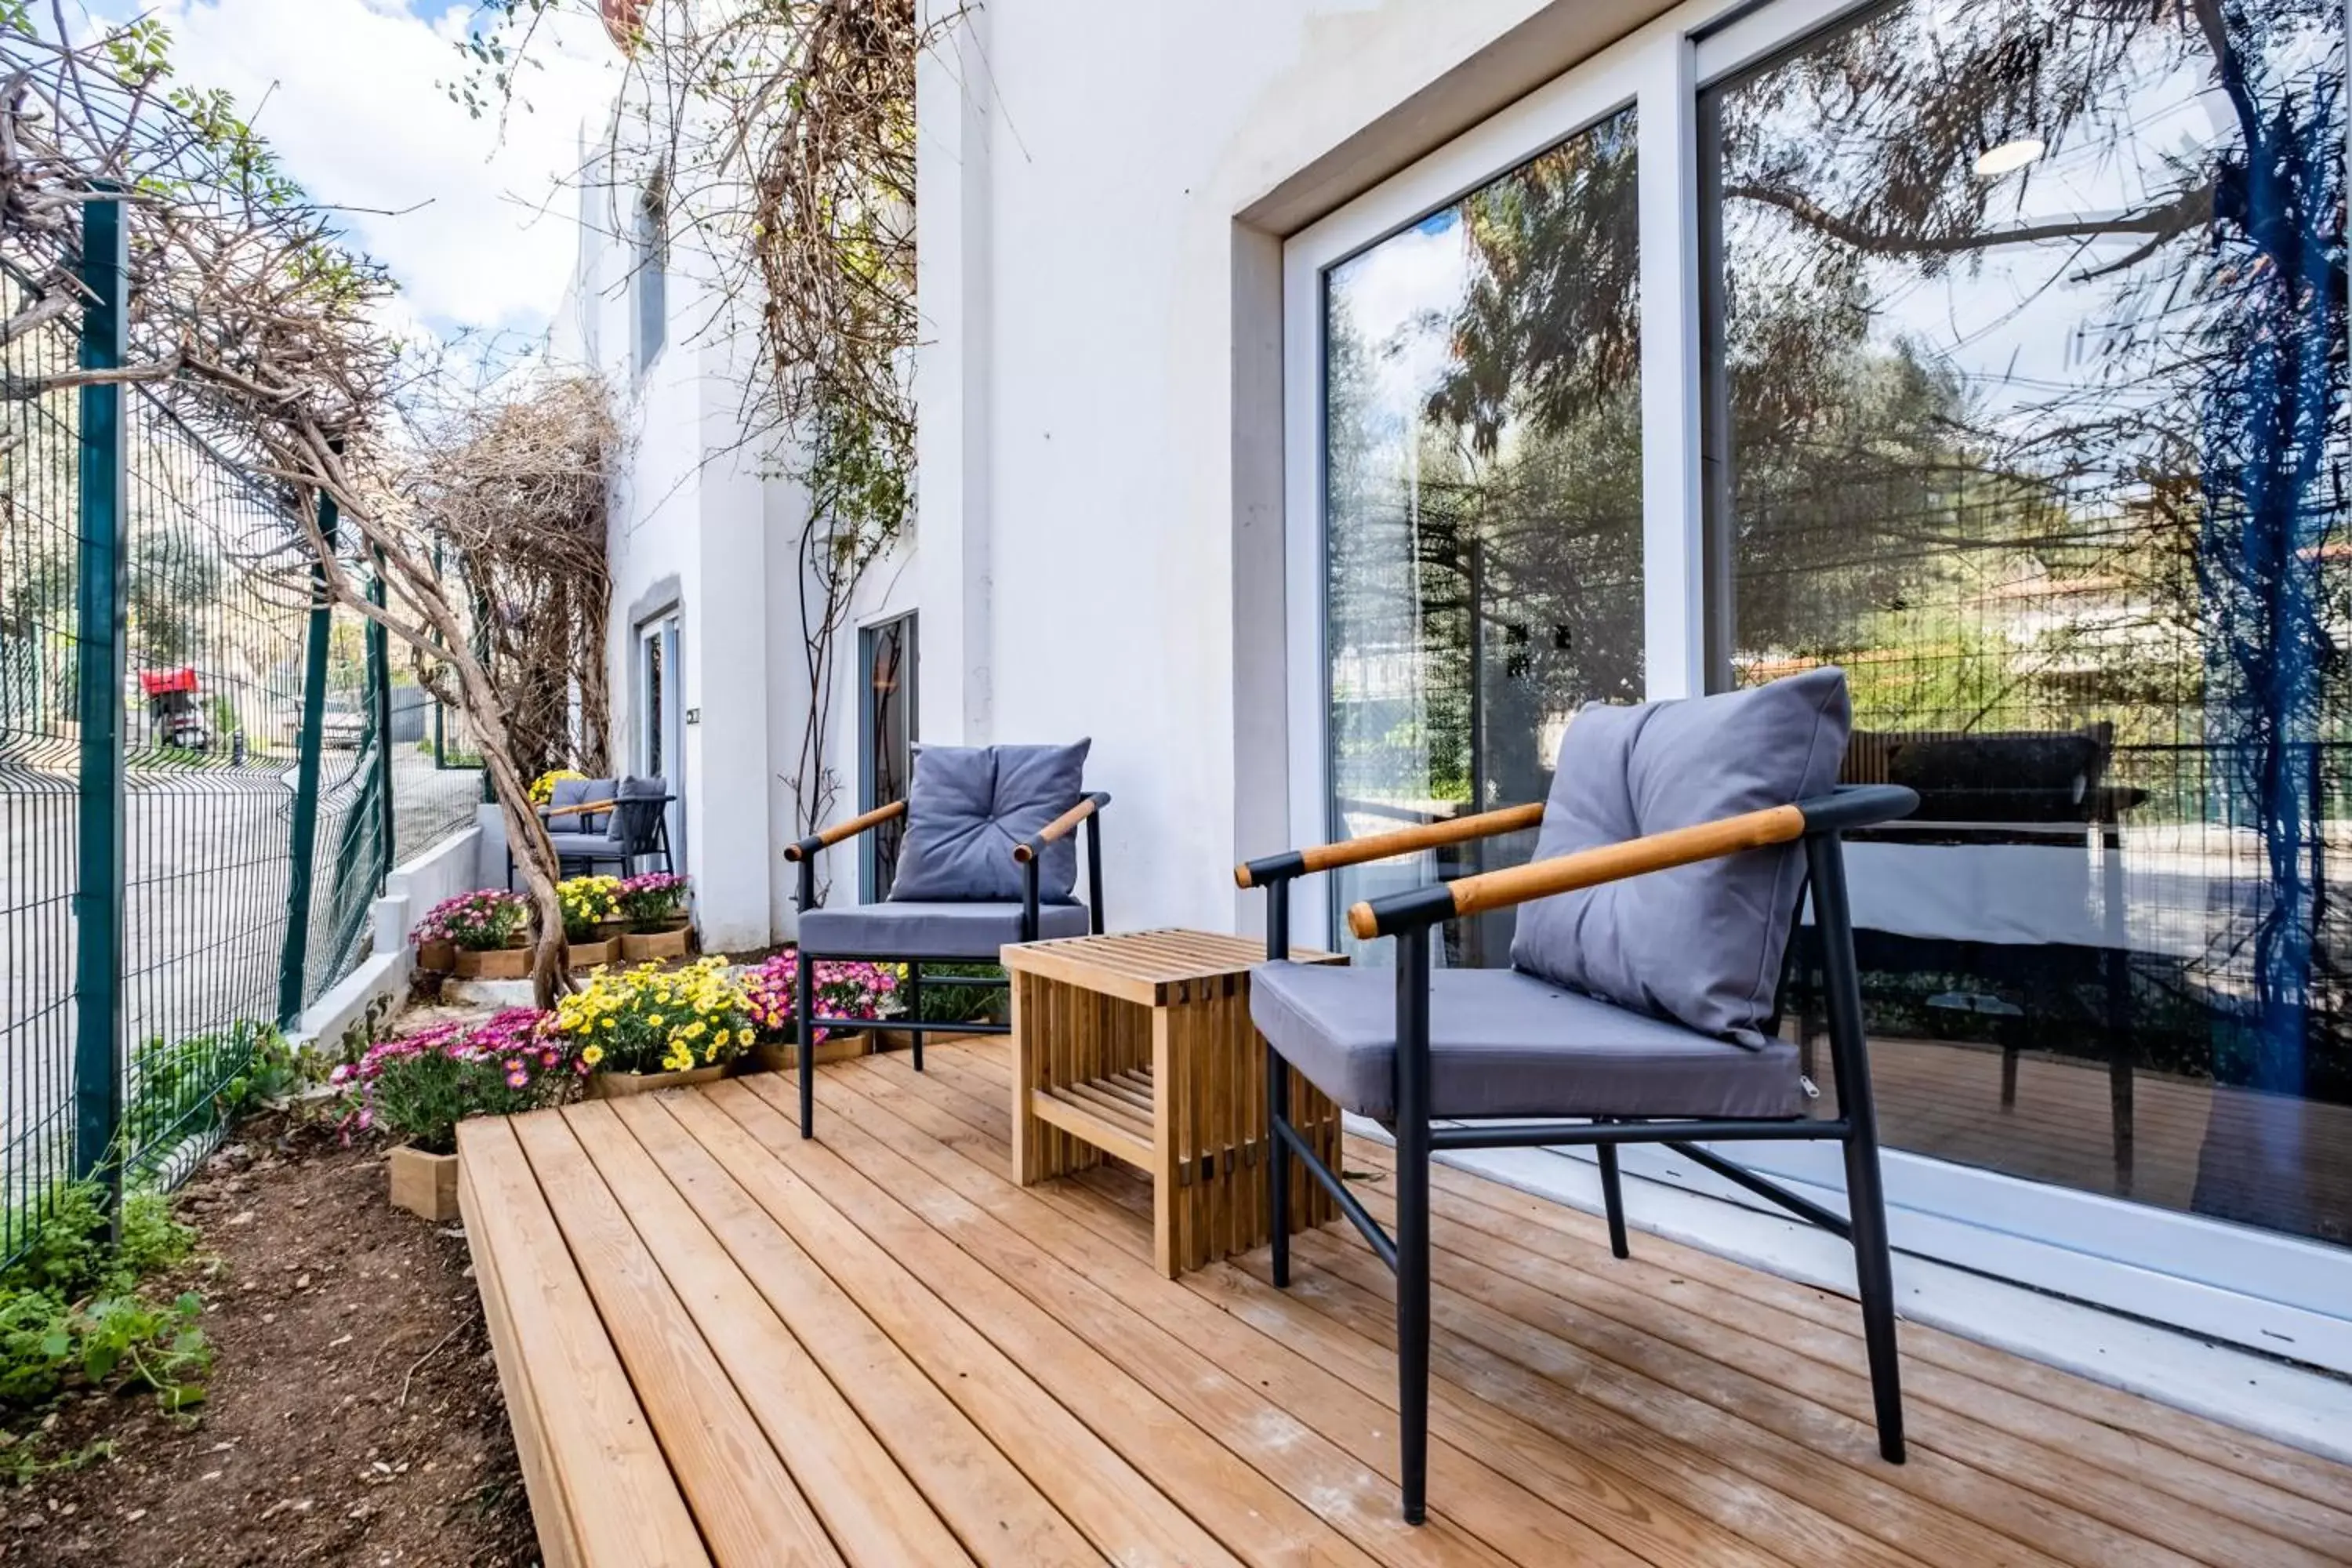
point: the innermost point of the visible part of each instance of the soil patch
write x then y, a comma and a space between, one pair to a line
354, 1412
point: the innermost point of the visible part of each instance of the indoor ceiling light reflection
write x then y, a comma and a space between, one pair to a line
1995, 161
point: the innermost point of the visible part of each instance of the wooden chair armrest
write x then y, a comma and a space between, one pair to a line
1061, 827
1380, 846
1856, 806
583, 808
850, 829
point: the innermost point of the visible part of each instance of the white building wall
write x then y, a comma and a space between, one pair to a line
1101, 449
704, 523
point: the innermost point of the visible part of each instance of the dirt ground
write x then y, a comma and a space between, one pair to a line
354, 1412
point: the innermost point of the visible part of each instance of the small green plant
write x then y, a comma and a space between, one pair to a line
205, 1081
72, 1309
961, 1004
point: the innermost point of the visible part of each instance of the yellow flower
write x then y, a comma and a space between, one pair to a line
743, 1037
655, 1020
593, 1054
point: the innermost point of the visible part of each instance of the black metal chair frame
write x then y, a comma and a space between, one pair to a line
661, 836
1027, 855
1411, 917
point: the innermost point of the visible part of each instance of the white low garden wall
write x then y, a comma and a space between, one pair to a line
381, 981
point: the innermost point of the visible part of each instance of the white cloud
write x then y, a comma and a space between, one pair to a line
346, 90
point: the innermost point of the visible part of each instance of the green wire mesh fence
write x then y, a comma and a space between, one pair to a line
215, 621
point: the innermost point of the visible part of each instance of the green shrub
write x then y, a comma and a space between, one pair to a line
72, 1305
961, 1004
180, 1088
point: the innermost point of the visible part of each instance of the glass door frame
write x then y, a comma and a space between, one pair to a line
657, 646
908, 627
2237, 1283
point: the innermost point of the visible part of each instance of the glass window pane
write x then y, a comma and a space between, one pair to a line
2027, 407
1483, 504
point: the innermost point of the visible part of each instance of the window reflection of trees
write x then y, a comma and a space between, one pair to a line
1484, 539
2034, 449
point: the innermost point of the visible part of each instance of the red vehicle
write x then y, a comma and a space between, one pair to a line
175, 716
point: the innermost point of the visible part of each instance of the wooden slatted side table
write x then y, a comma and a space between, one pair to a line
1139, 1046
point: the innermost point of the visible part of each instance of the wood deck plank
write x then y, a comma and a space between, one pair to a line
743, 1345
2242, 1454
871, 1510
559, 1539
613, 1487
1630, 1309
995, 1511
1294, 1364
1121, 1511
746, 1504
1216, 1489
1871, 1493
1975, 1421
1343, 1461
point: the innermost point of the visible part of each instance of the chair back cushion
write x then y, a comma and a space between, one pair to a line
967, 808
1701, 944
636, 821
578, 791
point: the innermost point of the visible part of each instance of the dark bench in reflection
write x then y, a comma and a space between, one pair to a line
2010, 874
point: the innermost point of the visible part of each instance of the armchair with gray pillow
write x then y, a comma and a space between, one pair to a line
605, 822
986, 858
1640, 1003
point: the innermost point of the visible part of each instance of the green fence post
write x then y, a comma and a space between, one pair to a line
303, 848
103, 668
378, 652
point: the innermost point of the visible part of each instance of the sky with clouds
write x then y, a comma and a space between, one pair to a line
482, 235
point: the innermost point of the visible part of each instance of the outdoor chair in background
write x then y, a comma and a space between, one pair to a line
1640, 1005
986, 858
606, 822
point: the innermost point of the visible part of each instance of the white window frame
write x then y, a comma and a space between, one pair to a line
2272, 1292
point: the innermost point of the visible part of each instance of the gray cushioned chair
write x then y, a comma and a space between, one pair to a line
602, 822
986, 858
1641, 1002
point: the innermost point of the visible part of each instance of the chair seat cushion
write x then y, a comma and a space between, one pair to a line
971, 931
578, 844
1504, 1043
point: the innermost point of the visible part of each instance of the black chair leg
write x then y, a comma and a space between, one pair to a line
1874, 1279
1277, 1169
804, 1009
915, 1011
1413, 1221
1612, 1199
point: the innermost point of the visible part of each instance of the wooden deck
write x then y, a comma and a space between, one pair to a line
721, 1343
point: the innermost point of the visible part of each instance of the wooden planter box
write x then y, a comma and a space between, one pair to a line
621, 1085
425, 1185
839, 1046
675, 943
497, 964
589, 954
439, 957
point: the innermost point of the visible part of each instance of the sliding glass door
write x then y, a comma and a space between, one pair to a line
1994, 351
2025, 360
1484, 504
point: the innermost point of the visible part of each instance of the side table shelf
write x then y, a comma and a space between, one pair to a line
1140, 1046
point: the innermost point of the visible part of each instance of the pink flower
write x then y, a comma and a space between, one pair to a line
518, 1080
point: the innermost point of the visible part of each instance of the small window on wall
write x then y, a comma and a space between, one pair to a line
649, 285
886, 729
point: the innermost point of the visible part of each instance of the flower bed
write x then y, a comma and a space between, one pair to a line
590, 904
648, 1021
848, 989
416, 1087
459, 932
542, 788
653, 907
